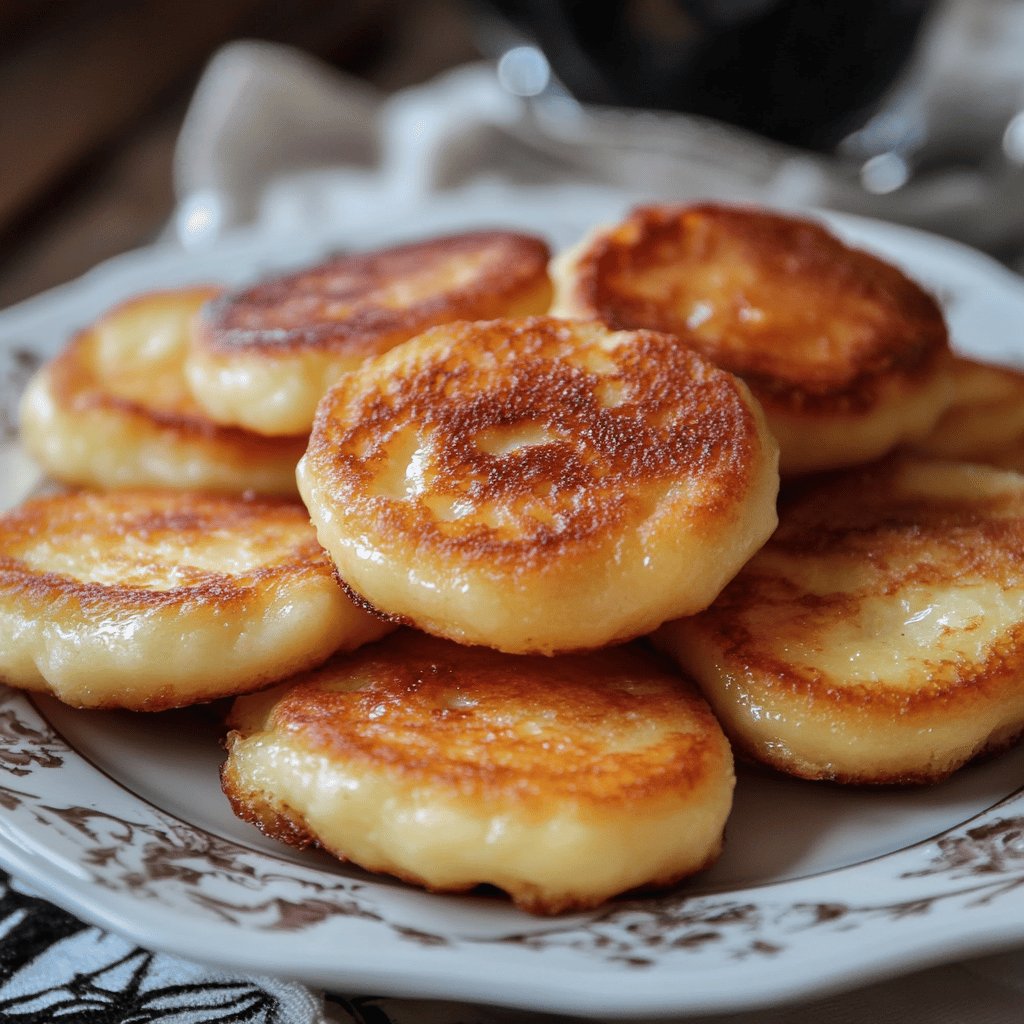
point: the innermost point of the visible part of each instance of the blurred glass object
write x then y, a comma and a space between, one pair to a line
907, 110
803, 72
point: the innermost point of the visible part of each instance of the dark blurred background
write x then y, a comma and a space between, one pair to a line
93, 92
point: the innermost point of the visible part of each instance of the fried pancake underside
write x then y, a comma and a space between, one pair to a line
263, 357
539, 485
562, 781
156, 599
846, 354
879, 636
114, 411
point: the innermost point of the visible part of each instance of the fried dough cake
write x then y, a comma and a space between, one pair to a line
156, 599
264, 357
879, 636
114, 411
563, 781
985, 421
847, 356
539, 485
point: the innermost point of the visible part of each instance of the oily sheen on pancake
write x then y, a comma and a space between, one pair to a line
563, 781
539, 485
156, 599
879, 636
985, 421
114, 410
847, 355
264, 356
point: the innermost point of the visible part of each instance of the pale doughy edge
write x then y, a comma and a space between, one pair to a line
562, 270
177, 654
779, 730
276, 395
985, 420
810, 443
109, 448
276, 392
564, 856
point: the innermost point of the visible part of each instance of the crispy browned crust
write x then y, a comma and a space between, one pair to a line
75, 385
361, 603
810, 323
294, 312
859, 517
70, 521
670, 416
429, 710
283, 824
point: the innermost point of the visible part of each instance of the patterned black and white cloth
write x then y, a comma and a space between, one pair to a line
54, 969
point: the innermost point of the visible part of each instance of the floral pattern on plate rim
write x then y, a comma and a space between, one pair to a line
161, 858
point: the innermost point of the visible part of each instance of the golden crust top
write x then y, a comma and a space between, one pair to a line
520, 440
810, 323
150, 600
132, 551
608, 728
362, 303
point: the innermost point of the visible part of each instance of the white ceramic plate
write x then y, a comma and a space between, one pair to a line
120, 819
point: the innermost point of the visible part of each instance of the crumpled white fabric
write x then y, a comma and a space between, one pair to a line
275, 137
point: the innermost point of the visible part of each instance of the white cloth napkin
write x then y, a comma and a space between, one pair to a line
276, 138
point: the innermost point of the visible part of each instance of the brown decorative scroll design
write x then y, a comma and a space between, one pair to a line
24, 745
168, 861
637, 933
992, 853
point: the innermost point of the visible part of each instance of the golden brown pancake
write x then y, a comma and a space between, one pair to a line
539, 485
985, 421
879, 635
563, 781
114, 411
847, 355
156, 599
264, 356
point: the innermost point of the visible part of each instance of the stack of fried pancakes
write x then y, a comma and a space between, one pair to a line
512, 482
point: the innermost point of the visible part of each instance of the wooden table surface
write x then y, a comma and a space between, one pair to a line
93, 92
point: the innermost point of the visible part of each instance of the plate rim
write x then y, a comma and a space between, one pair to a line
421, 978
424, 975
